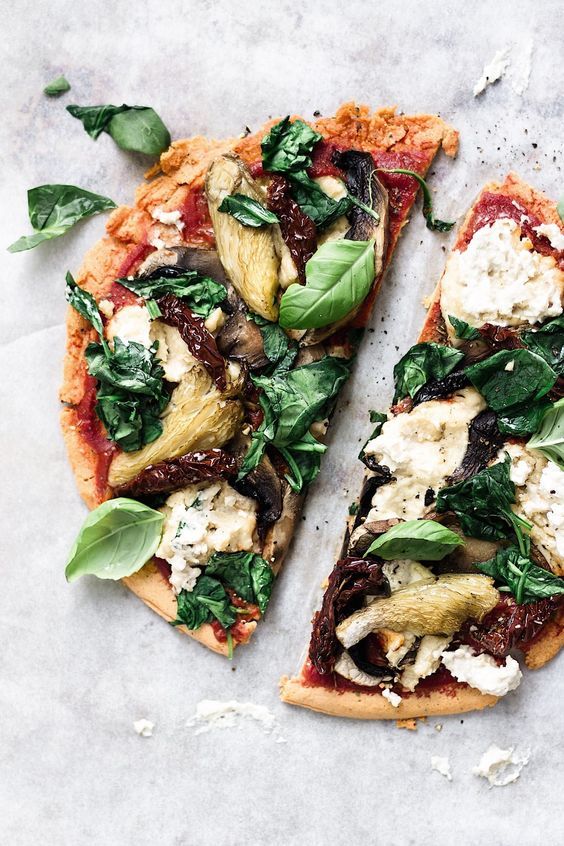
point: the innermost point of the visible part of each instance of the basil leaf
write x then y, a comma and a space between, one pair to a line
207, 601
548, 342
528, 378
115, 540
249, 575
432, 222
288, 145
483, 503
560, 208
56, 87
462, 329
137, 128
422, 540
421, 364
338, 278
247, 211
549, 438
54, 209
318, 205
85, 304
202, 294
519, 575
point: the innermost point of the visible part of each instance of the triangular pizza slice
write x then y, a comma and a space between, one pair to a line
455, 556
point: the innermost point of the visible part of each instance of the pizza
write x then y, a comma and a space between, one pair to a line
208, 336
455, 555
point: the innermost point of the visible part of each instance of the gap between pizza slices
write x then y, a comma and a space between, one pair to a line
398, 637
211, 412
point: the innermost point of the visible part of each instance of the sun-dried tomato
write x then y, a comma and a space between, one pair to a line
508, 626
166, 476
298, 230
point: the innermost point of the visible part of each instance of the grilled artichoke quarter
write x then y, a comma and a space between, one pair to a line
198, 416
248, 255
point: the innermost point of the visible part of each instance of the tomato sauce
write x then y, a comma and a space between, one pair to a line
92, 431
195, 215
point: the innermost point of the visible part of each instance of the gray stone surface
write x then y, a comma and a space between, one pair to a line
79, 663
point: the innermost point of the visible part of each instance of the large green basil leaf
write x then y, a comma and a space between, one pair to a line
207, 601
116, 540
58, 86
338, 278
462, 329
483, 503
549, 438
247, 211
432, 222
421, 364
54, 209
511, 377
201, 293
519, 575
287, 147
249, 575
548, 342
421, 540
137, 128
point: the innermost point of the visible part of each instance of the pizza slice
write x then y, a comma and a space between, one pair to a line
455, 556
208, 337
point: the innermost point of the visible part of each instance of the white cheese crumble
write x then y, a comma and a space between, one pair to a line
393, 698
493, 71
501, 766
482, 672
404, 572
553, 233
202, 519
156, 242
441, 764
421, 448
144, 727
427, 660
106, 307
212, 714
499, 279
169, 218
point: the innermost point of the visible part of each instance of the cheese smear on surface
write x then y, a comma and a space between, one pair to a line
501, 766
498, 280
421, 448
482, 672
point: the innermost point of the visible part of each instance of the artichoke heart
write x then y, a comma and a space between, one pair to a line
248, 255
197, 417
440, 607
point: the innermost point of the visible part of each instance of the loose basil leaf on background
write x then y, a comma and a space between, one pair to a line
522, 419
519, 575
483, 503
247, 211
548, 342
207, 601
462, 329
528, 378
379, 419
288, 145
137, 128
201, 293
560, 208
421, 540
249, 575
338, 278
421, 364
53, 209
432, 222
85, 304
56, 87
280, 350
115, 540
549, 439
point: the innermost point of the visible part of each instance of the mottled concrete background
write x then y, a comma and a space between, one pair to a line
80, 663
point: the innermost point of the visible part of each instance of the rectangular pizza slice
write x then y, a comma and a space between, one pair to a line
208, 337
455, 556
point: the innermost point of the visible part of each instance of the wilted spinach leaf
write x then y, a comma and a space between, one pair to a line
422, 363
247, 211
431, 221
279, 349
462, 329
511, 377
519, 575
549, 437
200, 293
249, 575
548, 342
208, 600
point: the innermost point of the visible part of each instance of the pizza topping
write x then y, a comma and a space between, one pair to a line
247, 210
200, 293
248, 255
439, 607
298, 231
501, 766
554, 234
422, 539
421, 364
427, 660
499, 279
346, 667
369, 212
482, 671
202, 519
168, 476
509, 626
484, 442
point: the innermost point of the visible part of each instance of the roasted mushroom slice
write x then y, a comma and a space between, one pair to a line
241, 338
197, 417
248, 255
173, 261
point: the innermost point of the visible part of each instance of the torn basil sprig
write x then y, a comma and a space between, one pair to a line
136, 128
247, 210
60, 85
54, 209
420, 540
432, 222
517, 574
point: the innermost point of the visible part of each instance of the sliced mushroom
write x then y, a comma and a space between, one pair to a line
173, 261
364, 533
280, 534
484, 442
346, 667
440, 607
248, 255
241, 338
262, 484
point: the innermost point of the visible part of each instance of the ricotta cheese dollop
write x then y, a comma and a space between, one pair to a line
427, 660
499, 279
202, 519
482, 672
421, 448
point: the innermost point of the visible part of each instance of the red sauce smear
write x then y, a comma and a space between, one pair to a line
492, 207
198, 229
92, 431
138, 254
